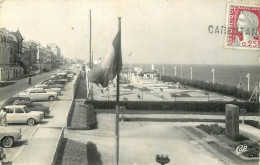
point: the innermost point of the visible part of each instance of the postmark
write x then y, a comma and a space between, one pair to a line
243, 24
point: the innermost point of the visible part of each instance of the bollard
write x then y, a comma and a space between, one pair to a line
122, 108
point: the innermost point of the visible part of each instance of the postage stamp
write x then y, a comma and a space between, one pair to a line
243, 27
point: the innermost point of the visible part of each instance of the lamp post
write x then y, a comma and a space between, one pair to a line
248, 81
175, 68
191, 73
213, 72
163, 70
181, 70
130, 64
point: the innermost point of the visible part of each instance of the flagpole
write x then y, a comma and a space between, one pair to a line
89, 84
117, 98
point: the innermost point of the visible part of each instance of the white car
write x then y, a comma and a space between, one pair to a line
35, 94
21, 114
49, 89
8, 135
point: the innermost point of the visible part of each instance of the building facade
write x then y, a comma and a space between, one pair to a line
10, 43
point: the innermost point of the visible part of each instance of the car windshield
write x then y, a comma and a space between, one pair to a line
25, 91
27, 110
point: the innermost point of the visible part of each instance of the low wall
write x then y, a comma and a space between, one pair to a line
75, 86
58, 147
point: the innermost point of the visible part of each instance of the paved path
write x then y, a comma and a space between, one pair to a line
42, 144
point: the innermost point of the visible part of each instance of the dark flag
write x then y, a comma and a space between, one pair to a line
107, 69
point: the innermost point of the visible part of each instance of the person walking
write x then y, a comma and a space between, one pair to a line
2, 155
30, 81
3, 114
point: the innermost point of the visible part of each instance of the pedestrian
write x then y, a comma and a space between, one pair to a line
30, 81
3, 114
2, 155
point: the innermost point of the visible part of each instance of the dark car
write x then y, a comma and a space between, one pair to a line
33, 106
53, 84
11, 100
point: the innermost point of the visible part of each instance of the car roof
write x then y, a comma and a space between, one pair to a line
15, 106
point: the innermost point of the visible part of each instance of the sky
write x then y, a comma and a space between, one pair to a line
155, 31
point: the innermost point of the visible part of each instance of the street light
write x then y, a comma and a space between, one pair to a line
130, 64
213, 72
191, 73
248, 80
175, 68
163, 70
181, 70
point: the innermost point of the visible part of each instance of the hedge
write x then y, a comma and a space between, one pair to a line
216, 87
91, 117
216, 106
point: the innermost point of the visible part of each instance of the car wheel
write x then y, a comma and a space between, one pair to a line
7, 142
31, 121
51, 98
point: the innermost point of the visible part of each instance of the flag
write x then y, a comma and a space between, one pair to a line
107, 69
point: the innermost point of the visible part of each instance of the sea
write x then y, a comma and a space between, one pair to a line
225, 74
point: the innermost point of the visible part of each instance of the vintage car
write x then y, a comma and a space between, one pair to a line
58, 80
11, 100
53, 84
49, 89
21, 114
35, 94
8, 135
33, 106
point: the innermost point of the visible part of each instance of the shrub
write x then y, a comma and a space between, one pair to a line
252, 148
91, 117
253, 123
93, 156
216, 106
212, 129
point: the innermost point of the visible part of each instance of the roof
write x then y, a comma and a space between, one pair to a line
18, 35
6, 33
14, 106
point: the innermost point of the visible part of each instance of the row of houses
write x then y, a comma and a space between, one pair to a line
19, 57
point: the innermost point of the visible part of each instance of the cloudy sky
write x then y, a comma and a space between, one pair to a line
155, 31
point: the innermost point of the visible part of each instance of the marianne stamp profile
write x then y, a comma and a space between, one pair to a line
243, 24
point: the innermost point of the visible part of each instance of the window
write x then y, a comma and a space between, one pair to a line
33, 91
19, 110
10, 110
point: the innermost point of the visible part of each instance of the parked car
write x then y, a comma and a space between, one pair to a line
58, 80
38, 94
33, 107
11, 100
49, 89
21, 114
53, 84
9, 135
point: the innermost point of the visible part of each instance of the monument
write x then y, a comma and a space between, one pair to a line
232, 121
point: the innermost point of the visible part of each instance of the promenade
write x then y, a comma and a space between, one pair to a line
45, 139
156, 91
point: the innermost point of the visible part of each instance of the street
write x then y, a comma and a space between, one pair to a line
21, 85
